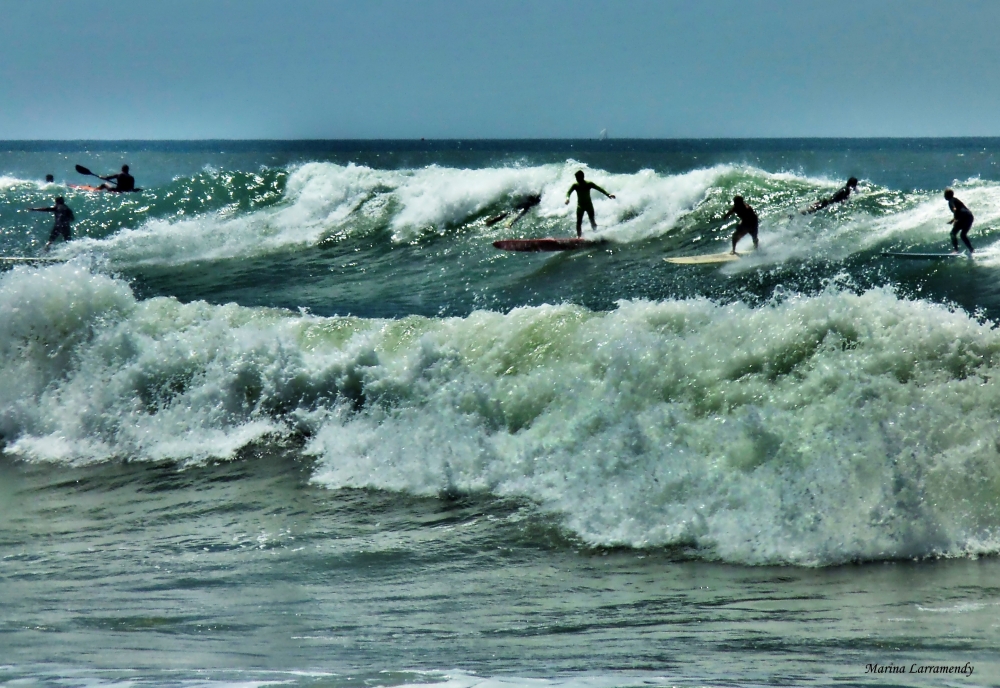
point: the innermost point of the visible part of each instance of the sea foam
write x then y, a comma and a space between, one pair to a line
814, 430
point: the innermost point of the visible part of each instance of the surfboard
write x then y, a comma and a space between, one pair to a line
546, 244
15, 260
704, 259
922, 256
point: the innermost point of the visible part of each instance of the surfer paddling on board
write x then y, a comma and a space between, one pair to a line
64, 216
839, 197
524, 206
583, 202
961, 223
748, 221
123, 181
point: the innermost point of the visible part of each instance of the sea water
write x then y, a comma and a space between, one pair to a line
287, 417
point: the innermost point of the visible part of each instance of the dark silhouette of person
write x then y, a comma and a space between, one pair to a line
961, 222
64, 217
583, 202
524, 206
839, 197
123, 181
49, 179
748, 221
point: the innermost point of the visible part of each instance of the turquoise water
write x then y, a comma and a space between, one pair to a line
287, 416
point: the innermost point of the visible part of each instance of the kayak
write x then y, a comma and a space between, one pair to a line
88, 187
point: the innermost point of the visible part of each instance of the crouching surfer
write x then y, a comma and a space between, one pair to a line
961, 223
748, 221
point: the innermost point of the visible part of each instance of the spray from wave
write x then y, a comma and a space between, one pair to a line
815, 430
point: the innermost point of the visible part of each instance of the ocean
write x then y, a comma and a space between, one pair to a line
287, 417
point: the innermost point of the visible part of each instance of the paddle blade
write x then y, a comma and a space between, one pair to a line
83, 170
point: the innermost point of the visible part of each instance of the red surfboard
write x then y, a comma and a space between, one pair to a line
546, 244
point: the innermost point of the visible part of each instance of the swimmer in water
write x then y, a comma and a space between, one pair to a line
839, 197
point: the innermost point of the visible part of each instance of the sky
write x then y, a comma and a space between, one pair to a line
384, 69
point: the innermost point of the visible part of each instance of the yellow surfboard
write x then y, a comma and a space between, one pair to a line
704, 259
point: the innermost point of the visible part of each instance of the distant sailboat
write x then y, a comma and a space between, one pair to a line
603, 136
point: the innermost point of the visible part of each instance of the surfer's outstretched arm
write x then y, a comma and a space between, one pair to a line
595, 186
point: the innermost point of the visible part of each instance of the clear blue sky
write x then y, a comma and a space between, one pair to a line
500, 69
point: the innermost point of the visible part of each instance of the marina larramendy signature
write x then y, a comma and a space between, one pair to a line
916, 668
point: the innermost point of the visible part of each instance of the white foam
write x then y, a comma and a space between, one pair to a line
917, 218
812, 431
463, 679
324, 200
7, 182
319, 199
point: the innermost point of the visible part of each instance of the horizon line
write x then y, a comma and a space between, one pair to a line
498, 139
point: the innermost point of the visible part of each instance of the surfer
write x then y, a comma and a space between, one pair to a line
583, 202
748, 221
64, 216
961, 223
839, 197
524, 206
49, 179
123, 181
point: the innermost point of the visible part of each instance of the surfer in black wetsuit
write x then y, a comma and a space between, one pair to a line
524, 206
748, 221
961, 222
839, 197
64, 216
583, 202
123, 181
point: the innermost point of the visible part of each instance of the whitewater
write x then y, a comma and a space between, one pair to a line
287, 387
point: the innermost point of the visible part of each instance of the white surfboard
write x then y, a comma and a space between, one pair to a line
704, 259
923, 256
15, 260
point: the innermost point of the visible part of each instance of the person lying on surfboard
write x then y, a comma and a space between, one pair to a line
839, 197
123, 181
524, 206
64, 216
961, 223
583, 202
748, 221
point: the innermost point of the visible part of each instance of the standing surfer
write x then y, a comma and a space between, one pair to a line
64, 216
748, 221
583, 202
123, 181
839, 197
524, 206
961, 222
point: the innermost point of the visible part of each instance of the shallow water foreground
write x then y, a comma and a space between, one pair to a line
246, 573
